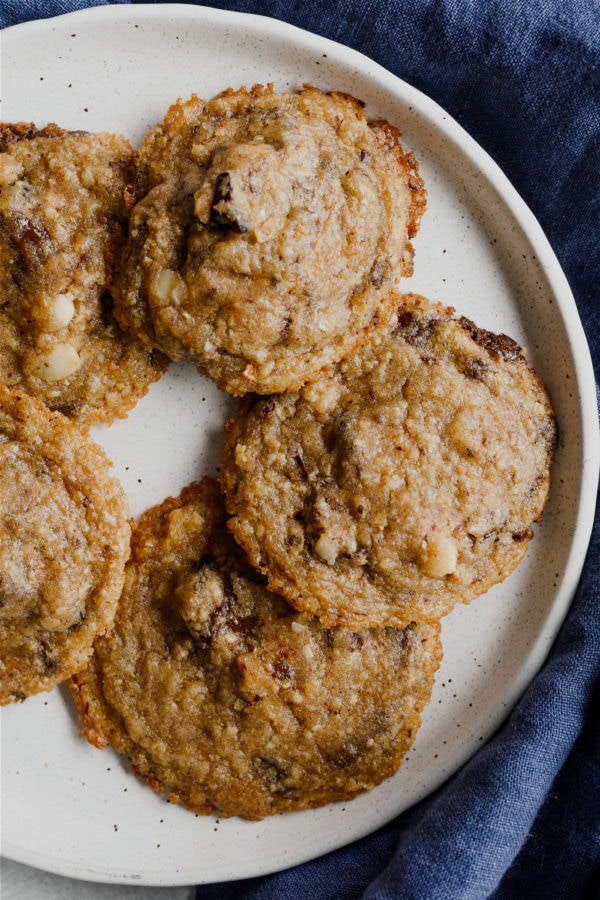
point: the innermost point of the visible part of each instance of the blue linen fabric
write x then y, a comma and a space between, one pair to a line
522, 817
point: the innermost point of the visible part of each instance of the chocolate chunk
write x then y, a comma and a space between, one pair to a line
223, 211
499, 345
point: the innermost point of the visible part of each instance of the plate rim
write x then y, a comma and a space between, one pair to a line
558, 283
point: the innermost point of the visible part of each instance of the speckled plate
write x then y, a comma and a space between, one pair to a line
75, 810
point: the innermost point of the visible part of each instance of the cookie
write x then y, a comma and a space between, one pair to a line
270, 229
64, 540
404, 483
226, 698
63, 215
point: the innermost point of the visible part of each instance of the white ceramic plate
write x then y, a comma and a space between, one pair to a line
75, 810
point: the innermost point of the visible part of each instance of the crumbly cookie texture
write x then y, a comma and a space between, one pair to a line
270, 230
226, 698
405, 482
64, 540
63, 216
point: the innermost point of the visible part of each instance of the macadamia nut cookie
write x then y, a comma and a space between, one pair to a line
405, 482
270, 230
64, 539
63, 216
225, 697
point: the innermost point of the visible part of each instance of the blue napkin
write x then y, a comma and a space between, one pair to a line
522, 818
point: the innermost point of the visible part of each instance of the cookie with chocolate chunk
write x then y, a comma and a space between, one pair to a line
63, 215
405, 482
269, 232
64, 539
226, 698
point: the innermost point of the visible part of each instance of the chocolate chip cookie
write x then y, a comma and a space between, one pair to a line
405, 482
63, 217
226, 698
64, 539
269, 232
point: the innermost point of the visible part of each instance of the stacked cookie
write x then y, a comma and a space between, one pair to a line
277, 634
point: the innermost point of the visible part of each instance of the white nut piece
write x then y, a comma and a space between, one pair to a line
58, 363
326, 549
439, 556
167, 287
60, 311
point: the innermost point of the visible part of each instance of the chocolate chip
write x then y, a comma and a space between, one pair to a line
282, 670
48, 658
346, 755
499, 345
30, 237
474, 368
412, 329
379, 273
223, 209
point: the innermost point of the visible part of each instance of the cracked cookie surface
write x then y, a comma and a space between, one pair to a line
64, 539
63, 215
225, 697
405, 482
269, 231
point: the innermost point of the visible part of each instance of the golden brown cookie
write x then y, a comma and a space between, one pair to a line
229, 700
64, 539
404, 483
63, 216
270, 230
